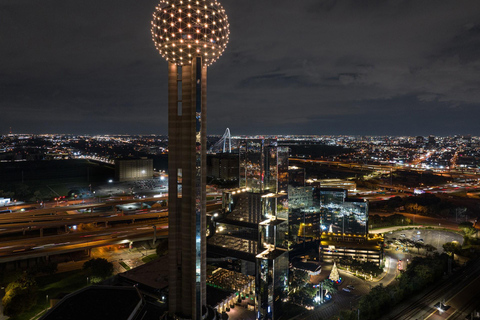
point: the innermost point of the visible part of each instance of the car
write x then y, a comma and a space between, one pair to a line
346, 289
403, 235
420, 240
351, 287
418, 232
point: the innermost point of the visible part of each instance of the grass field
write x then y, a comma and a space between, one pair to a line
52, 287
149, 258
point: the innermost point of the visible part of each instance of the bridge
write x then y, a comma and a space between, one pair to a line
224, 145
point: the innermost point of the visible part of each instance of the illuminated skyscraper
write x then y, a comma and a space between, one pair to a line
190, 35
253, 226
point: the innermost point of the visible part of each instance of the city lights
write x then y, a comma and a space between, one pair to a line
182, 30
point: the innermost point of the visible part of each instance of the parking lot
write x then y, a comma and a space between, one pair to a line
436, 238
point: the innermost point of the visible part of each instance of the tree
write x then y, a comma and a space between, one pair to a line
298, 278
418, 245
162, 247
451, 247
334, 276
329, 286
20, 296
98, 267
467, 228
430, 248
37, 196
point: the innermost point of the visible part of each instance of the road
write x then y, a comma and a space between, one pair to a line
460, 291
419, 220
461, 304
140, 227
341, 299
347, 300
470, 174
58, 244
69, 220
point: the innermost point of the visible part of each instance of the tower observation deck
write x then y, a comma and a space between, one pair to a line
190, 35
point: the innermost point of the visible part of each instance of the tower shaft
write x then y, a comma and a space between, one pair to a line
186, 188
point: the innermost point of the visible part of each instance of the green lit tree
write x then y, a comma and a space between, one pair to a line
20, 296
451, 247
467, 228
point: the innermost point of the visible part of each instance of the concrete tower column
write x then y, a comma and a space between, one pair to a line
186, 184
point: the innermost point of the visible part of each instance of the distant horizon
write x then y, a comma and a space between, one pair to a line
241, 135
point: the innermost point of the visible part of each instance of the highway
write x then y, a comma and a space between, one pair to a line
460, 291
386, 168
57, 221
461, 305
41, 246
137, 225
51, 208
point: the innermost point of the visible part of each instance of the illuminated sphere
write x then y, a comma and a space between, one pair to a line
184, 29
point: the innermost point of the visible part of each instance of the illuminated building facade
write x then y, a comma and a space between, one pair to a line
334, 247
341, 214
351, 186
254, 223
344, 228
263, 165
133, 169
190, 35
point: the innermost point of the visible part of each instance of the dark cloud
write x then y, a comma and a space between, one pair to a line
310, 66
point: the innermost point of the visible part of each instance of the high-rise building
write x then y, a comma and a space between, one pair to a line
254, 224
419, 140
223, 166
190, 35
263, 165
340, 214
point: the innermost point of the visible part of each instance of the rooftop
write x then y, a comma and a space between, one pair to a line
97, 302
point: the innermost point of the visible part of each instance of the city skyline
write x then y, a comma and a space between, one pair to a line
370, 68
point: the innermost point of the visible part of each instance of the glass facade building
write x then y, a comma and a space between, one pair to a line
253, 225
338, 214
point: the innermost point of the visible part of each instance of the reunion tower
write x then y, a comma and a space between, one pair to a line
190, 35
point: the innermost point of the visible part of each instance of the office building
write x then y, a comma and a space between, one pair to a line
223, 166
253, 226
340, 214
133, 169
344, 228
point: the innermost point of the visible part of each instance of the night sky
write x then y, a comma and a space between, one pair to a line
292, 67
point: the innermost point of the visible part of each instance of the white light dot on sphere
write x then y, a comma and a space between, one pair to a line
180, 29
